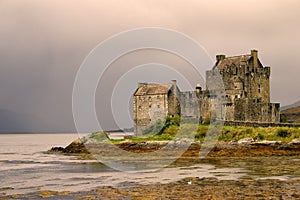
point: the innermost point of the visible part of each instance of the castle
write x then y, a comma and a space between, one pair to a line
246, 99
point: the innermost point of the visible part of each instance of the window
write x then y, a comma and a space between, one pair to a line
259, 89
158, 97
150, 106
235, 71
158, 106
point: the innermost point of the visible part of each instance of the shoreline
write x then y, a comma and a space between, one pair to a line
244, 147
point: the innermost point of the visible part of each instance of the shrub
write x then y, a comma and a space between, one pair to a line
169, 122
249, 130
155, 128
175, 120
283, 133
98, 136
201, 132
260, 136
283, 118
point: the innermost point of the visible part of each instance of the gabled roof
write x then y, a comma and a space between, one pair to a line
236, 60
153, 89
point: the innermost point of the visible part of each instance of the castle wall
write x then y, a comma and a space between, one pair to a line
173, 101
246, 98
148, 109
189, 102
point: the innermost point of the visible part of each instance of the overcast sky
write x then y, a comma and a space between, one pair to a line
43, 43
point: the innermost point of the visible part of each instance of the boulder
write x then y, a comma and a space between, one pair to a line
295, 141
267, 143
245, 141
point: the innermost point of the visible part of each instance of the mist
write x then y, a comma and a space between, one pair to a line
43, 44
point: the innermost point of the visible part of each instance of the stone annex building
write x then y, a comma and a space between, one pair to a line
247, 98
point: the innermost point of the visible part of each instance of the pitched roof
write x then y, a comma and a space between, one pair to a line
153, 89
236, 60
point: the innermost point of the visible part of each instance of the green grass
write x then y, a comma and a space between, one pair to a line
284, 134
198, 132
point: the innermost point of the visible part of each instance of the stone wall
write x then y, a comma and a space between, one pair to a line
148, 109
189, 102
259, 124
246, 98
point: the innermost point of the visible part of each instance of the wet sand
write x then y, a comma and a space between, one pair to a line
257, 171
262, 178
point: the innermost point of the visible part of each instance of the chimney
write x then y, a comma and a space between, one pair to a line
174, 83
254, 54
198, 89
220, 57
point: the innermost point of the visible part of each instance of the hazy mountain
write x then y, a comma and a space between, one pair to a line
292, 114
296, 104
11, 121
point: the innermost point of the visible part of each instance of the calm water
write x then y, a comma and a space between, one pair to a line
25, 167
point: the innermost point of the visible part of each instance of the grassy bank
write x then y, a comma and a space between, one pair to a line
198, 132
285, 134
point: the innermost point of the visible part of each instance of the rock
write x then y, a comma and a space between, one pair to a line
246, 141
56, 149
77, 146
295, 141
233, 142
267, 142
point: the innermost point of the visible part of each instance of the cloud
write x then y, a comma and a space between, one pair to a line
43, 44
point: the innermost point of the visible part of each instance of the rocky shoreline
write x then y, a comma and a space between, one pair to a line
244, 147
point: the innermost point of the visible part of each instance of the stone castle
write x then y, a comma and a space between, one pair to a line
246, 99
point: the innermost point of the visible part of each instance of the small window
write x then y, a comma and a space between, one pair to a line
150, 106
158, 97
158, 106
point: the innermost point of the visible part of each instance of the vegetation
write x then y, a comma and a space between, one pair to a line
172, 127
285, 134
159, 127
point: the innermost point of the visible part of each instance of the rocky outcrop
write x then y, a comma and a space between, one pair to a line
244, 147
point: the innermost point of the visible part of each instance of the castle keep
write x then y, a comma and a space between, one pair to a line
246, 99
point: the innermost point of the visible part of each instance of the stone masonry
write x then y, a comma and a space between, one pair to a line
247, 99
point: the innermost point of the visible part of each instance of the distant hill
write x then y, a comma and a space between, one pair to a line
292, 114
296, 104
